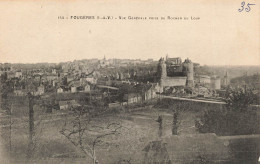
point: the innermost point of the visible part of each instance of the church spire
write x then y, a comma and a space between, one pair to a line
226, 75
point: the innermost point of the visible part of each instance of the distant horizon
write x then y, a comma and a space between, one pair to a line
216, 65
211, 40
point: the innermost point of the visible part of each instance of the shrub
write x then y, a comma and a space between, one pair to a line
227, 122
237, 118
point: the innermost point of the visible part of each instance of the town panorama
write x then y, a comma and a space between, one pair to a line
118, 111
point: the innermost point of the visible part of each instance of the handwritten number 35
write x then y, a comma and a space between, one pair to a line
247, 9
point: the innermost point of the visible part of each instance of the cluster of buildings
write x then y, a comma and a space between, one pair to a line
178, 74
124, 62
72, 77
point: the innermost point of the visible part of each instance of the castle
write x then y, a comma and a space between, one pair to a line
174, 72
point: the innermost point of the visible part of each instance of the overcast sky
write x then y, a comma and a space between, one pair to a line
31, 32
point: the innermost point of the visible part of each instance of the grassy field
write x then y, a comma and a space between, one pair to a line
141, 128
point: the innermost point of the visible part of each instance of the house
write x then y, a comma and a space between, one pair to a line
87, 88
150, 93
215, 83
70, 78
132, 98
19, 92
173, 61
74, 85
158, 88
18, 74
53, 71
63, 105
51, 77
68, 104
91, 79
60, 90
204, 79
73, 89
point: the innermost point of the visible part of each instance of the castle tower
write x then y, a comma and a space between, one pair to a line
163, 66
226, 79
189, 72
164, 72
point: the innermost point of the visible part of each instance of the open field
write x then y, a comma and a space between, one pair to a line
141, 128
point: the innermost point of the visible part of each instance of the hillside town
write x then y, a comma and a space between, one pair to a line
129, 111
141, 80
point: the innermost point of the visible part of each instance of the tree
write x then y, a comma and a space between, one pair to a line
176, 114
124, 89
160, 121
175, 123
31, 125
240, 99
176, 107
235, 118
84, 134
34, 123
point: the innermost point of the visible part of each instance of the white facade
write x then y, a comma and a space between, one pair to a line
18, 74
73, 89
87, 88
59, 90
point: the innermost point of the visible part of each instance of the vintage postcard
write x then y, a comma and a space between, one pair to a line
130, 82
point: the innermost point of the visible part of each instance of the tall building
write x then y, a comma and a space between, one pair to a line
188, 71
226, 80
104, 62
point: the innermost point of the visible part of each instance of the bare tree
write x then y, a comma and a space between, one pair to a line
176, 115
87, 135
160, 121
34, 124
31, 125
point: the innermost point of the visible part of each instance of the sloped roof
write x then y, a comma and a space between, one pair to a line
143, 87
62, 103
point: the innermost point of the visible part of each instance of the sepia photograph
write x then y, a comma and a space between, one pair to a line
130, 82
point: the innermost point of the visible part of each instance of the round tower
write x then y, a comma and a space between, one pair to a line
226, 80
189, 72
163, 71
163, 67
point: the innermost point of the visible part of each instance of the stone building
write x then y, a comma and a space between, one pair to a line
215, 83
226, 80
181, 75
188, 71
